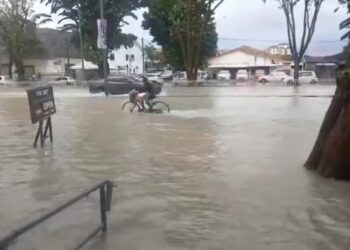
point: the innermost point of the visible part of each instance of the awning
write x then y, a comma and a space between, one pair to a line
326, 64
239, 66
87, 65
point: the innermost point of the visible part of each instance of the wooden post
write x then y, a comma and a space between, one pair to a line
39, 134
50, 129
42, 134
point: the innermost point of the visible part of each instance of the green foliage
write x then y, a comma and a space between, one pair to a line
154, 54
185, 29
18, 31
86, 12
346, 23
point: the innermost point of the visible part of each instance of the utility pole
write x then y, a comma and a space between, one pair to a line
68, 58
104, 50
143, 55
81, 45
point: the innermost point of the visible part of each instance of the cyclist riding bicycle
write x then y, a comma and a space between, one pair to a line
150, 93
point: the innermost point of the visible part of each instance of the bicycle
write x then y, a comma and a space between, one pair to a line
156, 106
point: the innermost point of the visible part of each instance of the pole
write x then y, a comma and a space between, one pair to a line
143, 55
104, 51
103, 208
81, 45
68, 59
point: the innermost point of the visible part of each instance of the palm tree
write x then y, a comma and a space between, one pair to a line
346, 23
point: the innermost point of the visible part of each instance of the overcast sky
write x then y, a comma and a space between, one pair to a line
253, 23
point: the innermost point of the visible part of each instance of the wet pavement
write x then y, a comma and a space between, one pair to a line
223, 170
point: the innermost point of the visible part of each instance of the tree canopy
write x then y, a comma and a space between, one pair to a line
18, 31
346, 23
86, 12
186, 31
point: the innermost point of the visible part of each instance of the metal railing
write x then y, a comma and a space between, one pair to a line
329, 81
105, 188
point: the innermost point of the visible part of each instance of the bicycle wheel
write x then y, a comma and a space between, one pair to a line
160, 107
130, 107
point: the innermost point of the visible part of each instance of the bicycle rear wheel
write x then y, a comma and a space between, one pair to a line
160, 107
130, 107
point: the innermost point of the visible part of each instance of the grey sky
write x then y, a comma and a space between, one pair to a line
253, 23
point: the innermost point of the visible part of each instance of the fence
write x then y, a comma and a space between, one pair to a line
230, 83
105, 189
30, 84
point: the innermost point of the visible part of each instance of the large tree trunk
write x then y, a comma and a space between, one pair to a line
20, 68
327, 126
296, 72
330, 156
10, 67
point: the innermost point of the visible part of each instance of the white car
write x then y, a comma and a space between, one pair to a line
242, 75
305, 77
276, 76
67, 80
4, 80
155, 77
224, 75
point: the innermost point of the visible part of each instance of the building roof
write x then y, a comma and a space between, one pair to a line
337, 58
258, 52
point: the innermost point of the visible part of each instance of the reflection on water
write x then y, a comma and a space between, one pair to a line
221, 171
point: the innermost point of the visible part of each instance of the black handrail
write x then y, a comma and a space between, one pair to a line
105, 187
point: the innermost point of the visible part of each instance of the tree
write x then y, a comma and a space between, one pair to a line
346, 23
18, 32
86, 12
311, 10
186, 31
330, 155
153, 54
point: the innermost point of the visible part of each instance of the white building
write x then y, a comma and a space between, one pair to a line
280, 49
127, 60
247, 58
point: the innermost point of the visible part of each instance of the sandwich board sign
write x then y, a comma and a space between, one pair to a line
41, 107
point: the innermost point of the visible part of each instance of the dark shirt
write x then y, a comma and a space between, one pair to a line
148, 87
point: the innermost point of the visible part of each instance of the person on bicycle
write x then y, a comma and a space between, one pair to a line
150, 93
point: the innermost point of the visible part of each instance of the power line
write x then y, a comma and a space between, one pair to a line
275, 41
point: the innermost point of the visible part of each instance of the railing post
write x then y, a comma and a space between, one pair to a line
103, 207
109, 191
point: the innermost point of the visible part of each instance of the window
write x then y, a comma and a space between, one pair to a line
112, 57
127, 57
305, 73
132, 58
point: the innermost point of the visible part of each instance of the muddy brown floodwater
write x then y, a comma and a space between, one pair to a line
223, 170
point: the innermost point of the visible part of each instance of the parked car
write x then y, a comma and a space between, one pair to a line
242, 75
224, 75
305, 77
167, 75
259, 73
155, 77
276, 76
202, 75
67, 80
4, 80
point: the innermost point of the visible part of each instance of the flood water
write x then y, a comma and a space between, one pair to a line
223, 170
